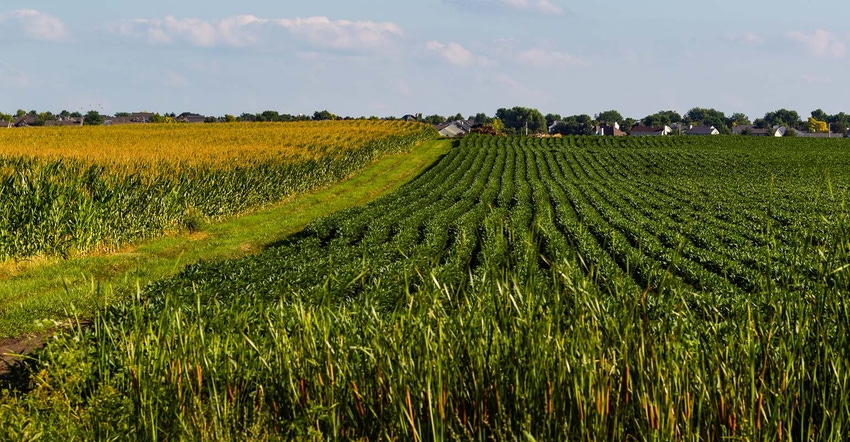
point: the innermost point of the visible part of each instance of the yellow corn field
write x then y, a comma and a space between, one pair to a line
73, 189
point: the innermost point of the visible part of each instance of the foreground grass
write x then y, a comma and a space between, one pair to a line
40, 295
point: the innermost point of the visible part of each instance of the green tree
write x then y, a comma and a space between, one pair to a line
739, 119
662, 118
708, 117
551, 119
574, 125
93, 118
434, 119
783, 117
271, 116
229, 118
482, 118
518, 120
839, 122
610, 116
323, 115
819, 114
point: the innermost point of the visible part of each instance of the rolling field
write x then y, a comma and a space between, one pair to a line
71, 190
538, 289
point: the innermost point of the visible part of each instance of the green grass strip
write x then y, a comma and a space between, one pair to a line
46, 295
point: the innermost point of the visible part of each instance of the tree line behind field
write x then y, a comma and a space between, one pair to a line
512, 121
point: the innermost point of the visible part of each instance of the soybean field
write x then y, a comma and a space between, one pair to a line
539, 289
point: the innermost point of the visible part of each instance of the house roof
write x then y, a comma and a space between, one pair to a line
702, 130
648, 129
453, 128
607, 130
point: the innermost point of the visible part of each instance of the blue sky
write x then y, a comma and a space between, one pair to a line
382, 57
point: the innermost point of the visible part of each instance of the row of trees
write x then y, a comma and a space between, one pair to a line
519, 120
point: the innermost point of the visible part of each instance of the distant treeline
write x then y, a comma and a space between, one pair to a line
515, 120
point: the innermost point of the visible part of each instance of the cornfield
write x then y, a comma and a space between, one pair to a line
76, 189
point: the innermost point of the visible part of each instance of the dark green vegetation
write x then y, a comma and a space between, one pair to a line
557, 289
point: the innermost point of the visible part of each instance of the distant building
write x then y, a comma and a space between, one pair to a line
453, 128
749, 130
606, 129
25, 121
190, 118
702, 130
650, 131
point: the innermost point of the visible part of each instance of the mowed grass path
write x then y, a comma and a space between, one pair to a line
39, 296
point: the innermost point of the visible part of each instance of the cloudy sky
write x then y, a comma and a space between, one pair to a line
392, 57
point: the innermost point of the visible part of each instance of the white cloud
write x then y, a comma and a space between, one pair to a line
248, 30
541, 6
821, 44
342, 34
456, 54
37, 25
537, 6
542, 58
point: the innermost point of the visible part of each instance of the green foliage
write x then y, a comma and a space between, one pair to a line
574, 125
93, 118
581, 288
783, 117
662, 118
610, 117
434, 119
708, 117
739, 119
518, 120
323, 115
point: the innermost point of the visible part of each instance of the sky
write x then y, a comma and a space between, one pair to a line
394, 57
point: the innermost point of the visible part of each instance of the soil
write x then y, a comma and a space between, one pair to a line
11, 351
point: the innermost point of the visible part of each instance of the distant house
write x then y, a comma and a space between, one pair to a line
453, 128
650, 131
64, 122
409, 118
702, 130
749, 130
141, 117
779, 131
25, 121
190, 118
805, 134
606, 129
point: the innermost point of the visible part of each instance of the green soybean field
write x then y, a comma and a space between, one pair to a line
576, 288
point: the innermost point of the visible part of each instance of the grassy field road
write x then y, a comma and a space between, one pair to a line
38, 296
